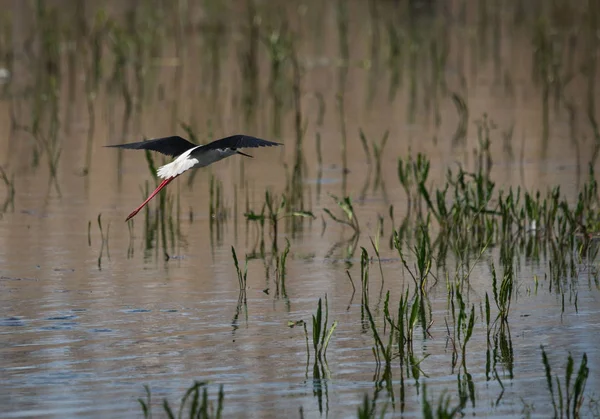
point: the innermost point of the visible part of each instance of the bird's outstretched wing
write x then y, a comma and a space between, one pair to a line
171, 146
238, 141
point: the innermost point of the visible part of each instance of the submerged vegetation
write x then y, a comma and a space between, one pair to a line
390, 145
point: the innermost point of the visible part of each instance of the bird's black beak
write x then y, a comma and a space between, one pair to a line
243, 154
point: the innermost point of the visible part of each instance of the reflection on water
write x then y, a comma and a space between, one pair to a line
91, 308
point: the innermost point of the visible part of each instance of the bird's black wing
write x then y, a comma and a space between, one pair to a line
238, 141
171, 146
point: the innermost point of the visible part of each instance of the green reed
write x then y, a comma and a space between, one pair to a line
380, 350
242, 275
377, 154
364, 279
422, 251
344, 138
97, 33
463, 325
544, 70
376, 245
9, 182
45, 118
373, 63
249, 64
321, 332
443, 408
368, 409
119, 82
216, 204
570, 399
280, 270
319, 164
395, 54
345, 204
194, 404
399, 342
502, 296
344, 46
104, 241
218, 213
460, 135
295, 185
413, 175
275, 209
278, 43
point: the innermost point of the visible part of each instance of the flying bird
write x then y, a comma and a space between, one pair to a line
191, 156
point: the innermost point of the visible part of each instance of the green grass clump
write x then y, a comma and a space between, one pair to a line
273, 211
345, 204
194, 404
443, 410
570, 399
321, 334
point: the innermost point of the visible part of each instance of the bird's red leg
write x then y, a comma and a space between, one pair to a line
152, 195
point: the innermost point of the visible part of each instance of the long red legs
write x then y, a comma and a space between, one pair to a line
152, 195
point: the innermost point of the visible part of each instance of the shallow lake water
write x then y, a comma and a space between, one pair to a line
93, 308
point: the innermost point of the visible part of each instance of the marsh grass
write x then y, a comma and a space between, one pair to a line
321, 336
502, 295
249, 64
460, 135
376, 246
321, 331
278, 43
104, 240
242, 275
195, 404
9, 182
376, 155
443, 407
97, 32
464, 324
274, 209
281, 270
217, 210
568, 401
345, 204
45, 119
368, 409
399, 341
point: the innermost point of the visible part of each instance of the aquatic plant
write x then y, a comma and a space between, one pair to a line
194, 404
443, 408
321, 332
502, 297
274, 212
104, 240
345, 204
9, 201
242, 275
280, 270
570, 400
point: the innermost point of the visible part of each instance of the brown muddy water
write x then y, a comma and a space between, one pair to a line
92, 308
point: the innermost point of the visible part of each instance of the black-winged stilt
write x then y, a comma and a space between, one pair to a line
191, 156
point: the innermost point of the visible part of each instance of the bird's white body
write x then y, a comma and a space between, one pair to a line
192, 159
